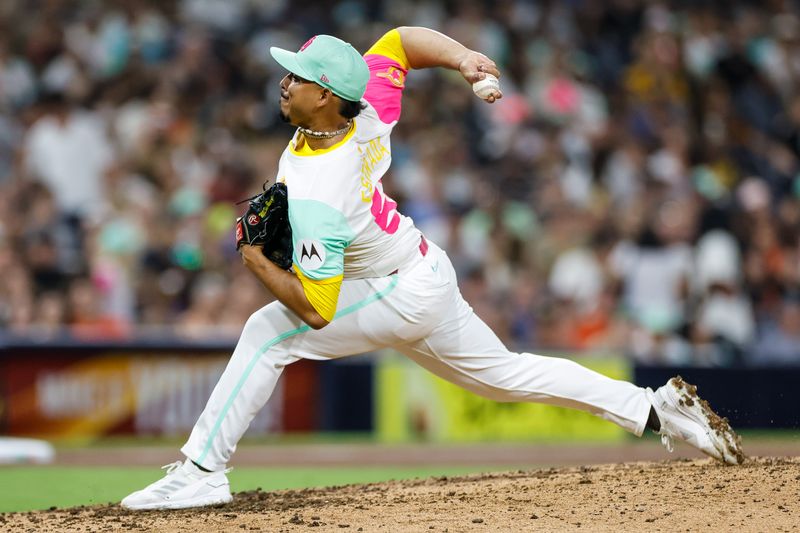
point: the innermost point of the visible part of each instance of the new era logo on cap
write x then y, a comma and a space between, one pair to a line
324, 79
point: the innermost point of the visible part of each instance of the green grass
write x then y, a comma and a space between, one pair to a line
40, 487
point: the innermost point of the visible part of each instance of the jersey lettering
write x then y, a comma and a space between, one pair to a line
371, 155
384, 209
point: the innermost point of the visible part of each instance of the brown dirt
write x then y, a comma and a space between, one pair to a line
720, 425
679, 495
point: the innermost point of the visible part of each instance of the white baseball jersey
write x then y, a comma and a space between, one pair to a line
344, 226
337, 206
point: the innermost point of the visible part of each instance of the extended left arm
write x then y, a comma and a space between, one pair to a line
283, 284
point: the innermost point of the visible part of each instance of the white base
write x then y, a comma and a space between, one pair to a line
14, 450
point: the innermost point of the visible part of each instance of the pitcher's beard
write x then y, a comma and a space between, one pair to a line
284, 117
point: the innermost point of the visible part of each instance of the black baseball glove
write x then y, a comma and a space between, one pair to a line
266, 223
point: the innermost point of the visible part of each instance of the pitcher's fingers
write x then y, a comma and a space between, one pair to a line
489, 68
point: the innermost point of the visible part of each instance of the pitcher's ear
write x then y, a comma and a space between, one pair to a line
325, 95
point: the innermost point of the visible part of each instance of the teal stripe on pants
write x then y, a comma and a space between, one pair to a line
272, 342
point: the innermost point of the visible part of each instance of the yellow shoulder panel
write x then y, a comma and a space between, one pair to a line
390, 46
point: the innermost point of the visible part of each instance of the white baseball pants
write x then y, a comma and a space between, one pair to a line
418, 311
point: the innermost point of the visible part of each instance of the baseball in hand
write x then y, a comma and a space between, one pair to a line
486, 87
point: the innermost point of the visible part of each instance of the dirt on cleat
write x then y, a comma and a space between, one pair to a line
718, 424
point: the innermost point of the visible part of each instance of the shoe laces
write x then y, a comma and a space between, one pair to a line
666, 440
666, 433
170, 468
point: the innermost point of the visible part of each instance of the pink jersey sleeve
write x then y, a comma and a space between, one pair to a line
388, 67
385, 87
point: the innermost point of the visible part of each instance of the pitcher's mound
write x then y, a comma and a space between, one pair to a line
762, 494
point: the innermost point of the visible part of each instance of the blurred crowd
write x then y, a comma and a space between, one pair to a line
637, 189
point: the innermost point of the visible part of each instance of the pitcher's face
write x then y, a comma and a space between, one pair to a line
299, 98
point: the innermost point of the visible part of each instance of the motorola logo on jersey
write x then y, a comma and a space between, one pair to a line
311, 254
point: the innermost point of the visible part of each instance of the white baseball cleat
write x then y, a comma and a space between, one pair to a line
184, 486
687, 417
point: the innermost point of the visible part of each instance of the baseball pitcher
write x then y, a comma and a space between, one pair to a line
359, 276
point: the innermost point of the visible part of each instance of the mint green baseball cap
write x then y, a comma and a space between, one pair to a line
329, 62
